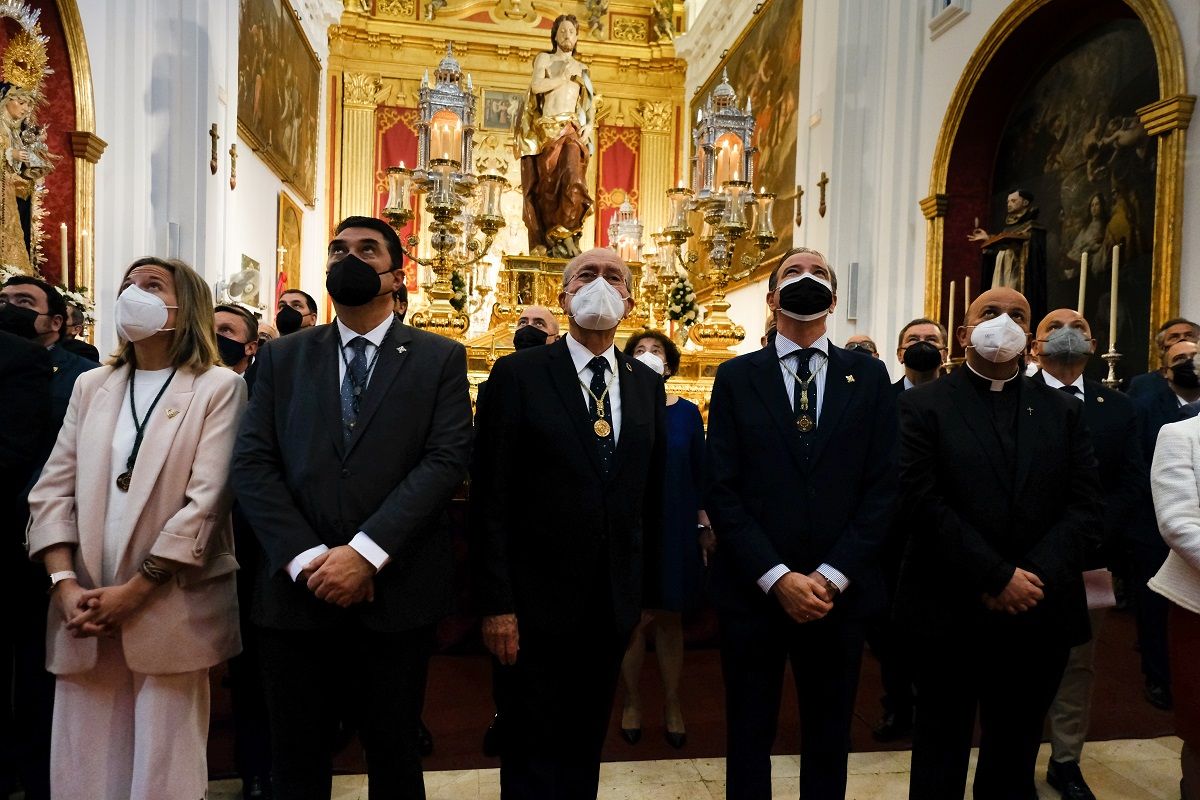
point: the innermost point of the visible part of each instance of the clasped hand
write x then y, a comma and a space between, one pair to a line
100, 612
1023, 592
805, 598
501, 637
340, 576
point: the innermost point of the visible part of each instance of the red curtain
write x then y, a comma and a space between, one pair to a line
617, 175
396, 142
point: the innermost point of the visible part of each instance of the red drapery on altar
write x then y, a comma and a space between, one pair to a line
617, 174
396, 143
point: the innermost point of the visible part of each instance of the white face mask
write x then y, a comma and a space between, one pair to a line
999, 340
597, 306
140, 314
652, 361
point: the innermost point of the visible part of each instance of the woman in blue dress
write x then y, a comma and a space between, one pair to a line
687, 538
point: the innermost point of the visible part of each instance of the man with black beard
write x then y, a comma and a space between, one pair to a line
1063, 346
991, 589
802, 478
921, 348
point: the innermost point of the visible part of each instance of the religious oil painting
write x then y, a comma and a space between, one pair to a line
279, 90
1074, 141
500, 109
764, 68
288, 237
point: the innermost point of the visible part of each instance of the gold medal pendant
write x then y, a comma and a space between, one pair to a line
123, 480
602, 428
805, 423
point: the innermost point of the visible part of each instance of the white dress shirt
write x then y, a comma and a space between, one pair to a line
363, 544
582, 358
787, 350
1055, 383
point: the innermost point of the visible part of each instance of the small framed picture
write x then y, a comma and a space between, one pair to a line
500, 109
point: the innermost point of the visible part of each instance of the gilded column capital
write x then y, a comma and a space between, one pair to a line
86, 145
1170, 114
656, 116
935, 206
360, 89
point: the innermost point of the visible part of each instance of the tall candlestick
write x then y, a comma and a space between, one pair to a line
1083, 271
950, 321
66, 275
1112, 298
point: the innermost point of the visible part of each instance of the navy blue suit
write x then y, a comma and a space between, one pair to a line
779, 496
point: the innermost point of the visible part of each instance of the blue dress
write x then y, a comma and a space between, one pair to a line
682, 568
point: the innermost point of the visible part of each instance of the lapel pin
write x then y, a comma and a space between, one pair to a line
1030, 410
849, 379
55, 368
629, 366
401, 349
172, 413
1099, 399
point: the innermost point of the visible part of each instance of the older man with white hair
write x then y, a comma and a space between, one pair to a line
561, 590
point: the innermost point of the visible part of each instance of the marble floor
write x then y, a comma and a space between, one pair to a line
1127, 769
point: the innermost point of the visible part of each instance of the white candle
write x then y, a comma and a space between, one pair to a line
950, 318
1083, 271
966, 296
66, 275
1112, 299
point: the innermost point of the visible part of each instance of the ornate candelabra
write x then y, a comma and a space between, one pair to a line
464, 207
722, 177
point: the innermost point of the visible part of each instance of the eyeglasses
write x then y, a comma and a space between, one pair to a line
866, 347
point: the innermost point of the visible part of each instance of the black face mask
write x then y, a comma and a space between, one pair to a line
19, 321
232, 351
805, 297
922, 357
1184, 375
529, 336
287, 320
352, 282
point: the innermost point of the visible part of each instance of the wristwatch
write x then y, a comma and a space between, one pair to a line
58, 577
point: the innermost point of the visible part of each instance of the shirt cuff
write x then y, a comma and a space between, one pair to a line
835, 577
771, 576
297, 564
366, 547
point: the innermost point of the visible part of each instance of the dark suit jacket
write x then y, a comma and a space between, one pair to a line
898, 386
1124, 478
983, 521
769, 507
1147, 383
299, 486
1156, 404
80, 348
67, 368
25, 377
545, 517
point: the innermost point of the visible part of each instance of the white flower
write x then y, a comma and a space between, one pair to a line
691, 296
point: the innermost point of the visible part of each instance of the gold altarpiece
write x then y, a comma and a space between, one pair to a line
379, 54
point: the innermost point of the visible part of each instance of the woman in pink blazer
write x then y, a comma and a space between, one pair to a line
131, 519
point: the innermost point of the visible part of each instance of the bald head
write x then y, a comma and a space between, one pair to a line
995, 302
1180, 352
541, 318
598, 260
1063, 318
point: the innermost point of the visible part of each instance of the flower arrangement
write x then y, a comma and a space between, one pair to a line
681, 302
78, 297
458, 285
9, 271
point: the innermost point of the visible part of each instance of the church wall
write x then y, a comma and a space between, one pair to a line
163, 72
873, 96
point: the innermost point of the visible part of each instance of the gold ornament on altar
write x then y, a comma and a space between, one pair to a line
27, 158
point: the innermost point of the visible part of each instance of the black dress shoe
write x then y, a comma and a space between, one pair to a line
1068, 780
893, 727
631, 735
257, 787
676, 740
1158, 695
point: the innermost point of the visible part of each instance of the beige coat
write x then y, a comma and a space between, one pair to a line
1175, 480
181, 486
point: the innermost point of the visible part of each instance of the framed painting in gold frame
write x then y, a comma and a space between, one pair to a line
288, 240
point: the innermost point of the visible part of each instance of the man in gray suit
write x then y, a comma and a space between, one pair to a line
347, 501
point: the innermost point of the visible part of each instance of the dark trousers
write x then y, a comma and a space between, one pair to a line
556, 701
889, 644
313, 679
1151, 611
825, 656
251, 723
1011, 679
29, 708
